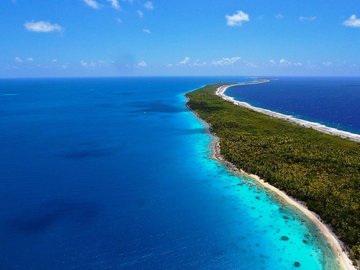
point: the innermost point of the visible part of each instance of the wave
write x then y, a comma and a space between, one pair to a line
301, 122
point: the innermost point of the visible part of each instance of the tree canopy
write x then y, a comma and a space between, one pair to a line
319, 169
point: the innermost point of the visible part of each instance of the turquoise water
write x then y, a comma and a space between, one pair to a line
117, 174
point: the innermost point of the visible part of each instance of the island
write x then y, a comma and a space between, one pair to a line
315, 169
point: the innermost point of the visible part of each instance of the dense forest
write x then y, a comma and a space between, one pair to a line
319, 169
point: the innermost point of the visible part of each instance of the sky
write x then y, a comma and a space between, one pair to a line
95, 38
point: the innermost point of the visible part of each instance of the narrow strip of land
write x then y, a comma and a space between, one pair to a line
321, 170
317, 126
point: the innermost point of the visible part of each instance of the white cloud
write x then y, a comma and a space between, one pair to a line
43, 27
284, 61
90, 64
140, 13
95, 63
185, 61
237, 19
147, 31
92, 3
272, 61
199, 63
225, 61
220, 62
353, 21
149, 5
142, 64
309, 18
18, 60
22, 60
114, 3
119, 20
83, 63
279, 16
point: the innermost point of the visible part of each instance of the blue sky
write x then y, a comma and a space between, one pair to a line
61, 38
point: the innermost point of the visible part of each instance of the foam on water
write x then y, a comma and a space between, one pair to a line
328, 101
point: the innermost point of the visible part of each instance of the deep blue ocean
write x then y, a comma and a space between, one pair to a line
117, 174
331, 101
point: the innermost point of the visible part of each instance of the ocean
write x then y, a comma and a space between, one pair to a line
116, 173
333, 102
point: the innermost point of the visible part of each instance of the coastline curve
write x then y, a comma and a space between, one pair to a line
304, 123
335, 243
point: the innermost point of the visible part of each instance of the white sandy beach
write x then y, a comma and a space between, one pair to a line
319, 127
334, 242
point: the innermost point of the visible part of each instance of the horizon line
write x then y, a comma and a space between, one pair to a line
180, 76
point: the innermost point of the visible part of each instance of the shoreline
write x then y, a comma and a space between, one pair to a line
304, 123
335, 243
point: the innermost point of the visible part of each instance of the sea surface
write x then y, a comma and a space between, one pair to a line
117, 174
333, 102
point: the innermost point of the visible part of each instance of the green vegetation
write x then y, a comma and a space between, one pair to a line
319, 169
